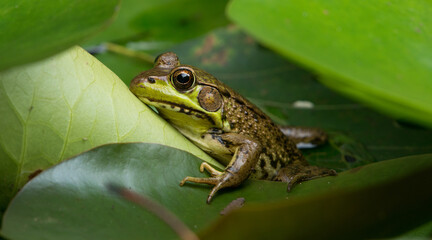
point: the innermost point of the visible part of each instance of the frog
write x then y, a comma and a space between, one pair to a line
227, 126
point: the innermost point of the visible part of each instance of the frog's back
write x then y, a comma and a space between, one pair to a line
247, 119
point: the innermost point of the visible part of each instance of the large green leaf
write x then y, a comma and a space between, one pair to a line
72, 199
32, 30
66, 104
376, 52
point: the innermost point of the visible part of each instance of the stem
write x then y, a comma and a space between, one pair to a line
115, 48
158, 210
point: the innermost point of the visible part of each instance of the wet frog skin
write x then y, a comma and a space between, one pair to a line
225, 125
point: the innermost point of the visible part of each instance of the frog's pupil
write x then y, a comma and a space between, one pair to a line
183, 78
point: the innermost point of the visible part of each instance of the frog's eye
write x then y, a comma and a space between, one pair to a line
183, 79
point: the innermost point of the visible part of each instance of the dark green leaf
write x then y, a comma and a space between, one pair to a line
378, 53
71, 198
32, 30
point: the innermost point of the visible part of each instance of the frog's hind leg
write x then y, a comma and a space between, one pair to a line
298, 172
305, 137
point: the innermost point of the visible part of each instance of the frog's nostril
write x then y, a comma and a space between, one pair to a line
137, 82
151, 80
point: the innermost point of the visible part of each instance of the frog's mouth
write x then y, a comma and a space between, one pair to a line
163, 104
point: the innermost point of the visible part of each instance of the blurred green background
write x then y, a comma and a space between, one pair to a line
359, 70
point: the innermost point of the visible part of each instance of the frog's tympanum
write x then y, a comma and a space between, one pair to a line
226, 126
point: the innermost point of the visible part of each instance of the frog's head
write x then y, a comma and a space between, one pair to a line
184, 95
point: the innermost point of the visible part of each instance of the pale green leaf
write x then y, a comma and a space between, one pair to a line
64, 105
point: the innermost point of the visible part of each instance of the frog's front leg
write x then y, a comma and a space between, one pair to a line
246, 153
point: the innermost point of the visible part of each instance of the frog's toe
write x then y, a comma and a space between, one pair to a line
221, 181
184, 181
210, 181
213, 172
213, 192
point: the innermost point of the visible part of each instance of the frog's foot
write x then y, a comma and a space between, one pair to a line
298, 173
220, 181
214, 180
246, 153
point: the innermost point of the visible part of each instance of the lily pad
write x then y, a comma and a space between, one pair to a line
377, 53
32, 30
72, 199
64, 105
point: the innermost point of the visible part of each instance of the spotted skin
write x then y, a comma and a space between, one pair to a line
278, 150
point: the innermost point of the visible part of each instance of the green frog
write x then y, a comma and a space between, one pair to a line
226, 126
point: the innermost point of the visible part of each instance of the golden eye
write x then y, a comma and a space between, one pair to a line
183, 79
